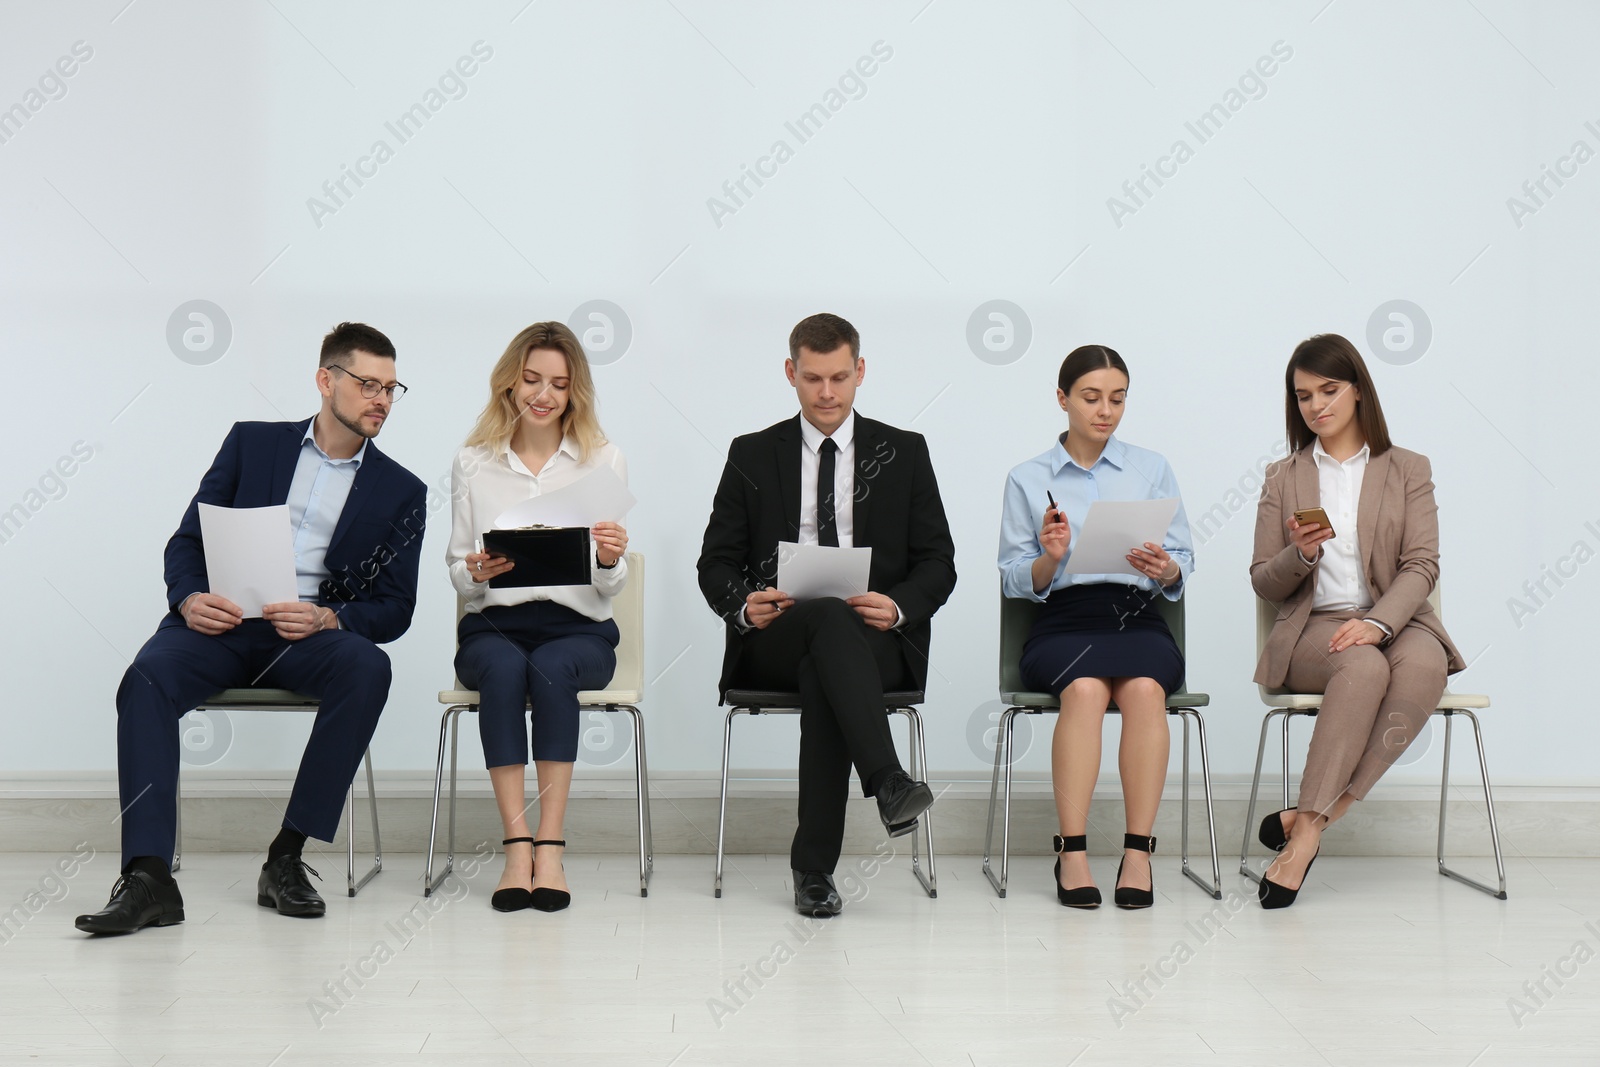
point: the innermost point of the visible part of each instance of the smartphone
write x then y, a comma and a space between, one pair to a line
1316, 515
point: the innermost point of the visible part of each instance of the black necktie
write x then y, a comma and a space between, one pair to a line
827, 524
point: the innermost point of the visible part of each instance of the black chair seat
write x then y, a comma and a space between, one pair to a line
768, 698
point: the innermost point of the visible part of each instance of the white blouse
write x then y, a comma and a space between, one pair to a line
485, 483
1341, 582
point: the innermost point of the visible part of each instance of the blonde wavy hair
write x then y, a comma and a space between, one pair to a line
500, 414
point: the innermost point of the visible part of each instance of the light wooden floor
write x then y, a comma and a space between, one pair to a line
1381, 962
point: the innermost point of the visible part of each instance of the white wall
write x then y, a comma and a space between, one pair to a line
1375, 164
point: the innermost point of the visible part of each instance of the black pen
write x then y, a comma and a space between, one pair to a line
1053, 506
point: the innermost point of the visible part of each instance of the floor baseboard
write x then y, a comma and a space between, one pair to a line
231, 814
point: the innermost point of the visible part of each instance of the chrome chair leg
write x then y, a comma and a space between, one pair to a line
919, 767
1003, 755
353, 885
642, 785
177, 840
1488, 797
448, 725
722, 806
1214, 888
1255, 788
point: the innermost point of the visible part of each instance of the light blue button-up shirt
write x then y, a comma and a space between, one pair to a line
317, 495
1123, 472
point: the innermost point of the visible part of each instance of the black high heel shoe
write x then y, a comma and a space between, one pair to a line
1271, 833
1126, 896
1272, 895
1085, 896
514, 898
546, 899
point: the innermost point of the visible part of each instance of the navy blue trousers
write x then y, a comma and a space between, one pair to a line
539, 653
178, 668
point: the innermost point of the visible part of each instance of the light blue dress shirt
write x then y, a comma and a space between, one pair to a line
1123, 472
317, 496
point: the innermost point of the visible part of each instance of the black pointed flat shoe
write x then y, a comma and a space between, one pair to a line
512, 898
546, 899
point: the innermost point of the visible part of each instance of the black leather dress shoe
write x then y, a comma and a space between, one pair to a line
137, 900
283, 885
900, 800
814, 894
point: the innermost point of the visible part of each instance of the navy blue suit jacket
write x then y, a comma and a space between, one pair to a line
377, 542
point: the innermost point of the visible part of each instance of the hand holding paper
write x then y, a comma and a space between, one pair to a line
1114, 527
249, 556
808, 572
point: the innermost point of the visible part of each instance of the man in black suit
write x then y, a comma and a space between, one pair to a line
830, 477
356, 518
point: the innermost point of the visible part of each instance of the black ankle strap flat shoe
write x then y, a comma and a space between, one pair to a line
512, 898
546, 899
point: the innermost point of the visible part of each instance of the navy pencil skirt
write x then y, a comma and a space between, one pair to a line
1100, 630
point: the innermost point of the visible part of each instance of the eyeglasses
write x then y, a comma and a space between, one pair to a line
371, 387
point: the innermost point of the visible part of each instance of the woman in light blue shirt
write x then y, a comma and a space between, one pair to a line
1100, 637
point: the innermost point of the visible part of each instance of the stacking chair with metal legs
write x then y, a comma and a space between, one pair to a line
623, 694
1016, 619
755, 702
1285, 705
287, 700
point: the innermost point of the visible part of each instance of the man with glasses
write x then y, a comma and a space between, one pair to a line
356, 518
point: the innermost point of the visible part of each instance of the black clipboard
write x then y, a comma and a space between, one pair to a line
544, 556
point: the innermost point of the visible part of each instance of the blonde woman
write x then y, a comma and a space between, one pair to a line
533, 645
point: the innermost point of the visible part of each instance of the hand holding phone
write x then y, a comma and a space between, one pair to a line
1309, 528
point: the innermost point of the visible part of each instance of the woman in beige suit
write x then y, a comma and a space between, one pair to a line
1354, 622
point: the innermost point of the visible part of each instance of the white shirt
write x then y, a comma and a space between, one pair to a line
844, 492
844, 480
1341, 580
485, 483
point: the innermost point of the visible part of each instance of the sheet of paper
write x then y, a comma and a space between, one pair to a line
249, 555
600, 496
1112, 529
807, 572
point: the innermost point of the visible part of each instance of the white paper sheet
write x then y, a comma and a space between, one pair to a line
249, 555
600, 496
808, 572
1115, 527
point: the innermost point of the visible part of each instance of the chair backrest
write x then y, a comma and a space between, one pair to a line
627, 607
1016, 619
1267, 616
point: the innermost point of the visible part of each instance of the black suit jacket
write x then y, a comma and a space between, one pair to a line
377, 542
897, 513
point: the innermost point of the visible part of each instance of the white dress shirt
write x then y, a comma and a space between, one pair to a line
1341, 580
844, 492
485, 483
844, 480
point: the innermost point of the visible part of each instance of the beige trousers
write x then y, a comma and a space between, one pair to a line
1377, 698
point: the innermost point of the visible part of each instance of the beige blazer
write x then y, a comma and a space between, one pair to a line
1397, 523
